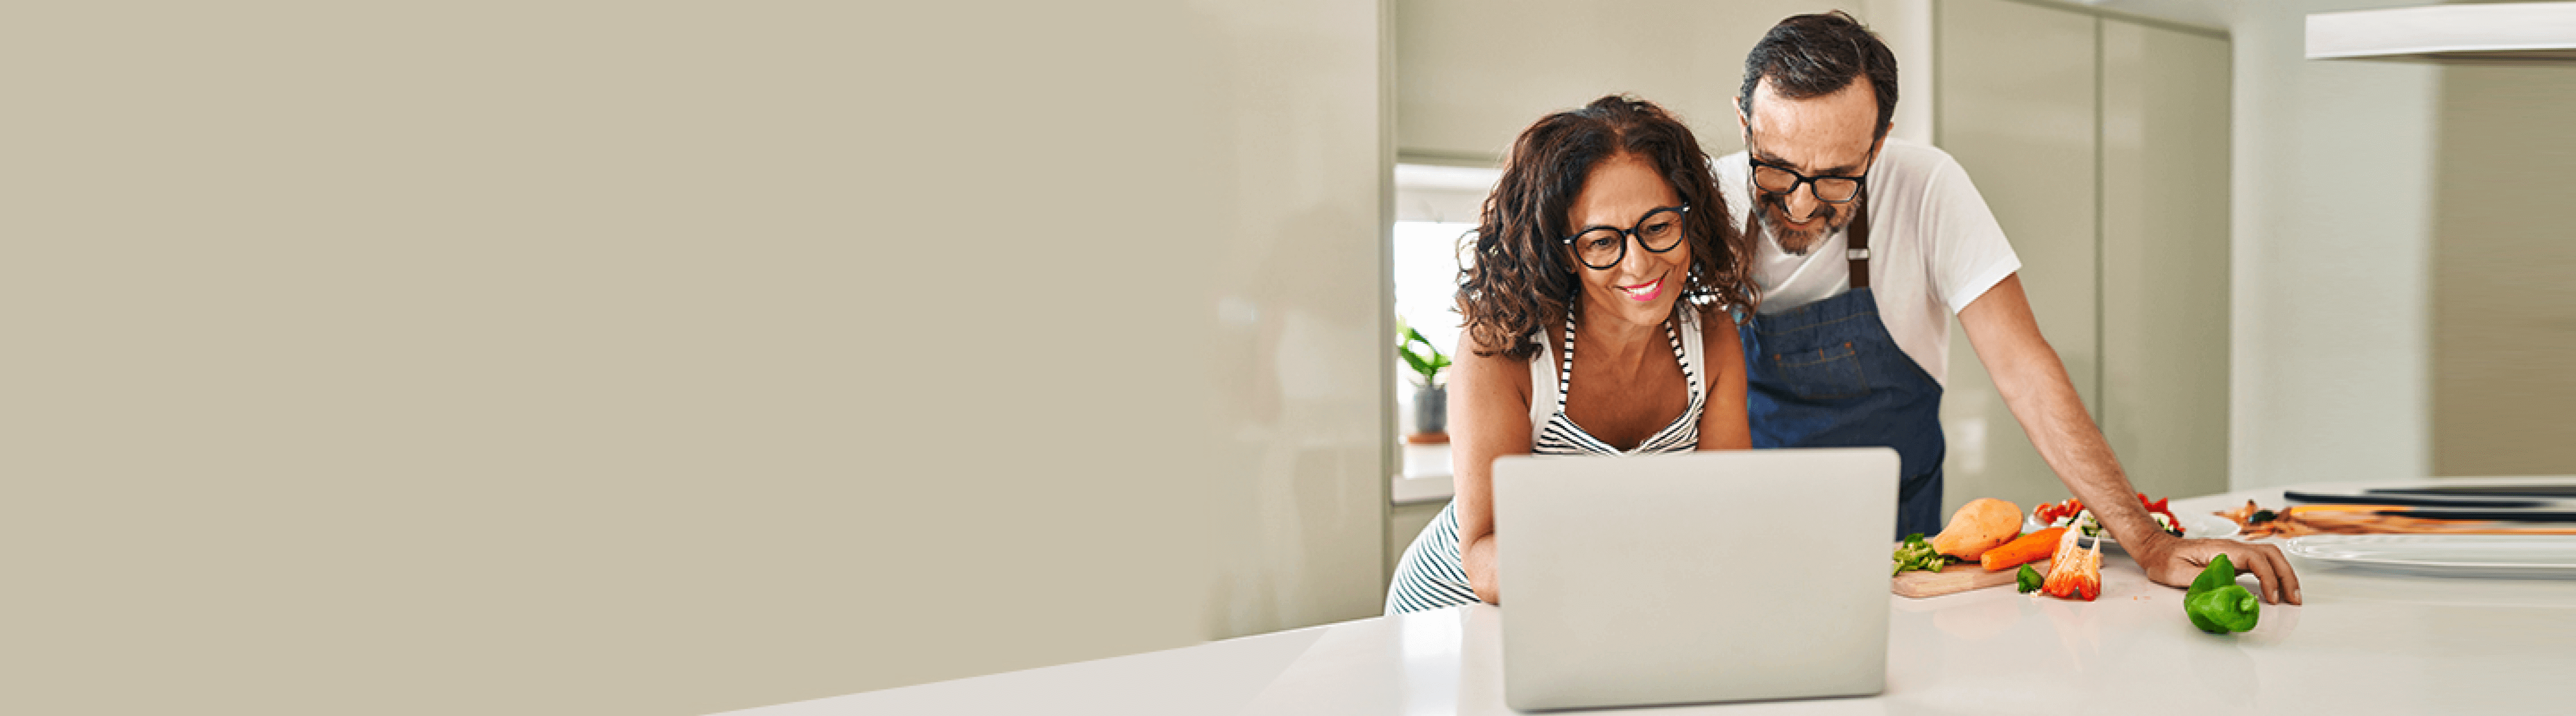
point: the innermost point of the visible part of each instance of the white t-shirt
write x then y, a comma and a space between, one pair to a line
1934, 248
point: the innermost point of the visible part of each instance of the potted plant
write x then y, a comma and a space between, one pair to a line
1430, 395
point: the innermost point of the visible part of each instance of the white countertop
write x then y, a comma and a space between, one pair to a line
2366, 642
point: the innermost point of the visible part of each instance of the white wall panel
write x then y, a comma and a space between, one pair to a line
2332, 215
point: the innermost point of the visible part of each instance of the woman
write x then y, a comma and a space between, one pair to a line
1606, 232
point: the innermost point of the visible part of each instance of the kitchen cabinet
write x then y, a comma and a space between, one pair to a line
2101, 144
2164, 286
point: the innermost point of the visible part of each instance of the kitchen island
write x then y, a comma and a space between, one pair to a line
2366, 642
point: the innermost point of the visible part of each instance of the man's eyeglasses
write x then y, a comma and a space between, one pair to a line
1782, 181
1603, 247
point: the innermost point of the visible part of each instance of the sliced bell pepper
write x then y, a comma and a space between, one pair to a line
2075, 573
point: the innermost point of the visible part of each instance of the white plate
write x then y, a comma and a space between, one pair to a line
2193, 527
2446, 555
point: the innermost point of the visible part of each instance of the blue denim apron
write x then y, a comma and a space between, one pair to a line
1827, 374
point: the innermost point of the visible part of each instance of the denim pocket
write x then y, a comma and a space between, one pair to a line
1825, 373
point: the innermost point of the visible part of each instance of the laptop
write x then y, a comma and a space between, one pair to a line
1693, 578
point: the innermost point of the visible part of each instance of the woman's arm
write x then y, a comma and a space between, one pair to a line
1489, 404
1723, 422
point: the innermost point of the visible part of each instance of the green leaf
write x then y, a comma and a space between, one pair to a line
1430, 368
1413, 360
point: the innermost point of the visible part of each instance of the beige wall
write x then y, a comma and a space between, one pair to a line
1474, 73
2504, 273
549, 357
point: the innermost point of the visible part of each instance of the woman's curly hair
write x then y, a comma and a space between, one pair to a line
1521, 277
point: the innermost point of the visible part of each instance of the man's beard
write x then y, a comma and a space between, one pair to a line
1798, 242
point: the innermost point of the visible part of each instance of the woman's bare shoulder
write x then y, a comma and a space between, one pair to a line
1486, 367
1717, 329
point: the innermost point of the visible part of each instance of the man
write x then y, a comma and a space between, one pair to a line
1863, 247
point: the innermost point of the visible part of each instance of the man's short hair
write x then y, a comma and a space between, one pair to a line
1816, 55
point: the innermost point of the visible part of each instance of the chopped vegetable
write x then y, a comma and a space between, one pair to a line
2028, 579
1916, 554
2217, 604
2258, 522
2050, 514
2028, 548
2072, 513
2163, 513
1983, 524
2076, 573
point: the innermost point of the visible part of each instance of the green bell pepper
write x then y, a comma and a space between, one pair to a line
2219, 573
2216, 603
2027, 580
2222, 610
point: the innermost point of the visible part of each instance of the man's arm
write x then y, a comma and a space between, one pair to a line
2034, 385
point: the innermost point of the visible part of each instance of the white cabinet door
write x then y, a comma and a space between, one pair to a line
2165, 256
2017, 108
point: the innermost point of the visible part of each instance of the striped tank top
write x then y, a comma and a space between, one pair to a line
1430, 576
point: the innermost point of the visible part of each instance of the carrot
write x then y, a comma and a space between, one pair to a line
2026, 549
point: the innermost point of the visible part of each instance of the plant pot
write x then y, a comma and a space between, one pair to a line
1431, 410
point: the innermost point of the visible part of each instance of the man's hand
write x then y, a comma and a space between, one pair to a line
2174, 561
2034, 385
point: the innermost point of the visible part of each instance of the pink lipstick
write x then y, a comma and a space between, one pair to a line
1645, 291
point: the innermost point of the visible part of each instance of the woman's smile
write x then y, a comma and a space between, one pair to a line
1644, 291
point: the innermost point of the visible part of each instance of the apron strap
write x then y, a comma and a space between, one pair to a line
1859, 236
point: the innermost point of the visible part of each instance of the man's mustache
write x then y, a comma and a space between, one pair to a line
1823, 210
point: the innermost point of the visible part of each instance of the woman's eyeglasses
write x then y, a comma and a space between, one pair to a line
1602, 247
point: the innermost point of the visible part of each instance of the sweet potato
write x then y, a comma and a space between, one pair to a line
1983, 524
2022, 550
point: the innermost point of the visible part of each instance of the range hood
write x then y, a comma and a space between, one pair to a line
2502, 33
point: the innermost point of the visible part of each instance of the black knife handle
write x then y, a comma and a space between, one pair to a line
2322, 498
2506, 516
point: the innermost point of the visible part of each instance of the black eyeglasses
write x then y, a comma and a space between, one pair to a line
1782, 181
1602, 247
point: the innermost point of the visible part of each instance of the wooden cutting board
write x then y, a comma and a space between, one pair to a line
1955, 579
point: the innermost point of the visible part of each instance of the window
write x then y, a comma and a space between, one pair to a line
1436, 207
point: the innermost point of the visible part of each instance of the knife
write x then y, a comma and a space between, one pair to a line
2497, 515
2329, 499
2562, 491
